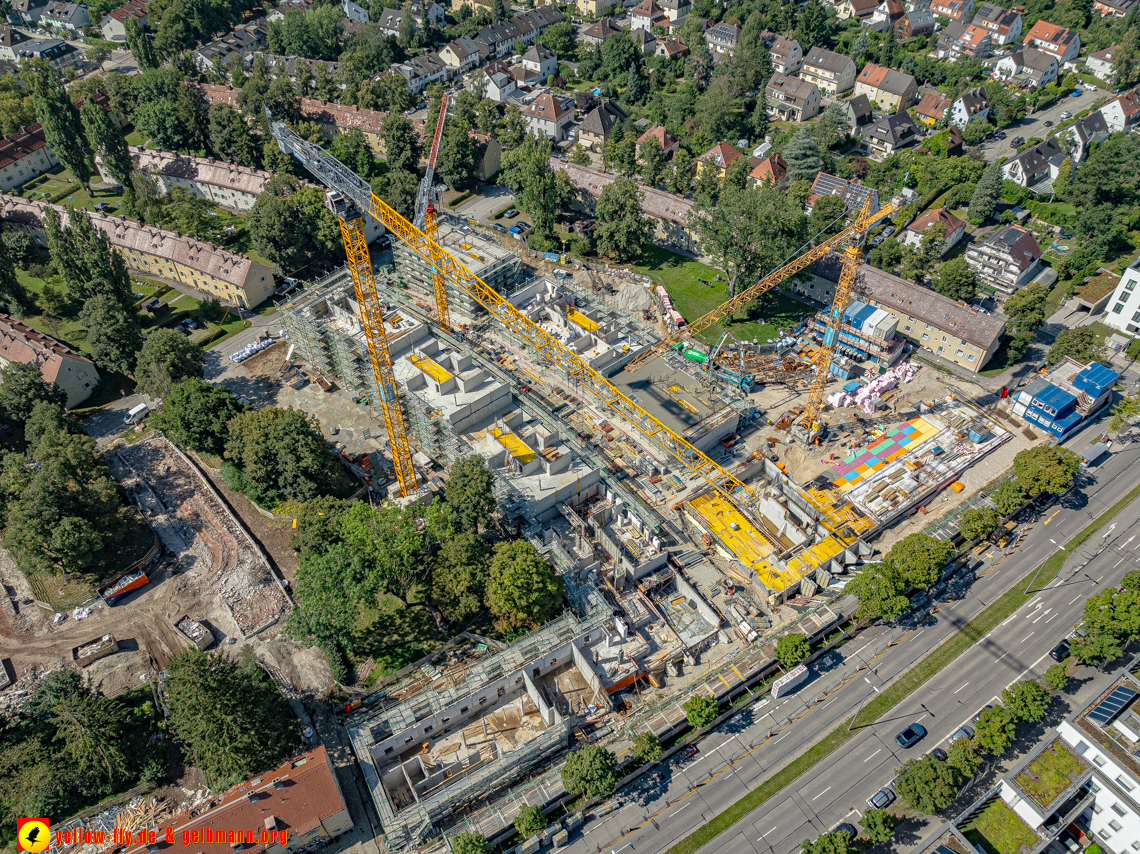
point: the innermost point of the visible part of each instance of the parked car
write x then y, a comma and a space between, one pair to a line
911, 736
499, 228
881, 799
689, 752
1001, 134
1077, 93
965, 731
511, 213
939, 754
523, 226
1061, 651
1065, 114
978, 716
849, 829
1016, 141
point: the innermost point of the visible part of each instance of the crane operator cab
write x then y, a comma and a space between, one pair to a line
337, 203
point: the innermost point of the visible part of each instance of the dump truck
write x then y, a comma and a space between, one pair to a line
91, 651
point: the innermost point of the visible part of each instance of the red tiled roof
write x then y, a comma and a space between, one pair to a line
661, 134
722, 154
20, 144
23, 345
950, 222
130, 9
772, 169
933, 105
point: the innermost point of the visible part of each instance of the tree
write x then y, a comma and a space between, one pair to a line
1096, 648
522, 590
1026, 307
230, 717
748, 232
279, 455
986, 195
978, 523
1008, 496
836, 842
457, 162
1128, 407
919, 558
105, 139
22, 387
652, 161
1081, 343
500, 11
13, 297
646, 748
530, 821
540, 190
956, 280
229, 136
407, 27
401, 195
878, 825
802, 156
194, 415
580, 157
622, 230
352, 150
814, 25
888, 48
1046, 469
963, 756
1057, 676
995, 730
459, 575
468, 843
590, 771
48, 419
112, 332
1026, 700
290, 225
879, 589
318, 525
1131, 580
141, 45
792, 649
86, 260
63, 128
470, 491
166, 358
927, 785
700, 710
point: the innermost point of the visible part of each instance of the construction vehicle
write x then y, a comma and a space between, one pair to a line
354, 190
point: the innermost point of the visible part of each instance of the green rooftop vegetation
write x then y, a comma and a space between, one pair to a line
999, 831
1050, 774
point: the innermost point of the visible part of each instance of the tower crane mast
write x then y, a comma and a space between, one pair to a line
426, 215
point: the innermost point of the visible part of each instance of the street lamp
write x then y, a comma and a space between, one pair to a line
1040, 567
862, 702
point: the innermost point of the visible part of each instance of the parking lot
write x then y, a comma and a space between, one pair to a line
1034, 126
486, 205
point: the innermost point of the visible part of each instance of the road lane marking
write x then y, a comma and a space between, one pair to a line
686, 806
1050, 519
821, 794
1075, 598
1027, 637
964, 684
1051, 618
1000, 657
873, 755
1007, 619
920, 718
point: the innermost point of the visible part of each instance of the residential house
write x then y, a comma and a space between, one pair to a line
232, 49
786, 54
596, 128
277, 13
975, 42
678, 25
858, 112
24, 155
10, 41
854, 193
891, 90
948, 36
927, 319
1084, 132
501, 84
890, 134
669, 214
933, 107
886, 14
388, 22
292, 67
953, 229
498, 40
1028, 66
73, 372
722, 38
646, 15
955, 10
645, 40
421, 71
591, 8
1122, 113
550, 115
435, 13
28, 11
719, 157
488, 155
675, 9
973, 105
1122, 316
1004, 24
1114, 8
159, 254
1063, 43
540, 62
860, 10
354, 13
790, 98
831, 72
460, 54
771, 170
1036, 167
667, 141
57, 52
918, 20
1101, 65
114, 23
671, 48
66, 17
599, 31
1005, 259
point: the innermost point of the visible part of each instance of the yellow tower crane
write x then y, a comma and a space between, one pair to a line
426, 216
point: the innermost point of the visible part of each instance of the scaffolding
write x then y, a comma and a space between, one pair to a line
433, 433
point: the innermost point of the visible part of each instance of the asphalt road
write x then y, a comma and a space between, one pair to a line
666, 806
1034, 126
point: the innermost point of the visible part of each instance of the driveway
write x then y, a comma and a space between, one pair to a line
107, 424
489, 202
1034, 126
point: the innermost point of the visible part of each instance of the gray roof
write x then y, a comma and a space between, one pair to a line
859, 107
602, 118
836, 63
1033, 160
537, 52
974, 101
1092, 124
894, 129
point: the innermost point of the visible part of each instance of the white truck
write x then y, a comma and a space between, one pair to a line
137, 414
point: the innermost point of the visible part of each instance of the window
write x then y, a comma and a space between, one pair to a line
927, 326
1115, 825
1098, 761
906, 329
971, 357
1124, 298
1130, 286
1097, 809
1118, 809
1124, 783
1119, 307
925, 337
1082, 747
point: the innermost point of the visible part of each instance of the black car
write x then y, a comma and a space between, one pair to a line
1001, 135
939, 754
1061, 651
498, 228
849, 829
911, 736
1049, 124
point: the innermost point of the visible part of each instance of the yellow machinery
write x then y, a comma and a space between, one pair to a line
852, 233
352, 189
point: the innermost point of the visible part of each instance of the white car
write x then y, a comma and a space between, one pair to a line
1065, 114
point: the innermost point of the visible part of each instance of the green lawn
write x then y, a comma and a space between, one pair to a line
999, 831
680, 277
1047, 776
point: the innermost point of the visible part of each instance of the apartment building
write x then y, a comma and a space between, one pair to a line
892, 90
832, 73
65, 17
791, 99
1004, 25
160, 254
1006, 259
975, 42
1125, 314
10, 41
1029, 67
73, 372
233, 48
786, 54
1064, 44
549, 115
24, 155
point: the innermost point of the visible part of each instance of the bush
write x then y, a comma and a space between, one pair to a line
591, 771
469, 843
646, 747
1057, 676
530, 821
792, 649
700, 710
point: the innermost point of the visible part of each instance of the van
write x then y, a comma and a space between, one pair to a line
137, 414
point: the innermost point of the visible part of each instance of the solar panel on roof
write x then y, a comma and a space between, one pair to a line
1112, 705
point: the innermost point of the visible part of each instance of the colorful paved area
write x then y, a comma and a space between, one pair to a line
886, 448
